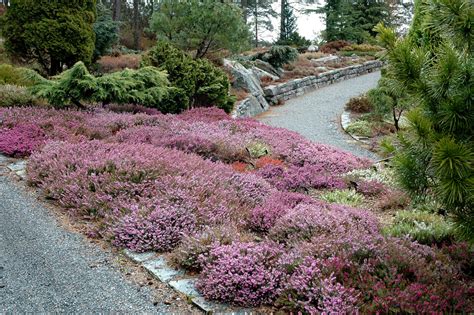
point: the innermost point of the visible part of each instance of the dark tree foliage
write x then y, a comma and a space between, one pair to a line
106, 31
258, 14
202, 83
53, 33
288, 24
353, 20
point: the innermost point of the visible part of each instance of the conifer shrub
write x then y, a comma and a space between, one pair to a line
201, 82
278, 56
146, 86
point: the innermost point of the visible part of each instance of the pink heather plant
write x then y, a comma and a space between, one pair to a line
318, 219
21, 140
311, 291
264, 217
245, 274
371, 188
158, 230
158, 182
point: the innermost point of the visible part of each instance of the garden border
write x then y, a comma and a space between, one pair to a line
154, 263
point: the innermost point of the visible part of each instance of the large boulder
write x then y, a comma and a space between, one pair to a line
323, 60
263, 74
243, 78
268, 68
251, 106
248, 80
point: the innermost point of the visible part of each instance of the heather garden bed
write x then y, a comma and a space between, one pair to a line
262, 215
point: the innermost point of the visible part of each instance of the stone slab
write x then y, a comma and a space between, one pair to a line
217, 308
17, 166
186, 286
139, 257
158, 267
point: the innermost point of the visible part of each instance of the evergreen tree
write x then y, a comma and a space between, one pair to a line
436, 154
52, 33
202, 26
259, 14
353, 20
106, 31
289, 25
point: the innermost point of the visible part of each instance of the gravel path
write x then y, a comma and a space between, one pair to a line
44, 268
316, 115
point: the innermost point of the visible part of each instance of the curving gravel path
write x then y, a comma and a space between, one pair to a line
45, 269
316, 115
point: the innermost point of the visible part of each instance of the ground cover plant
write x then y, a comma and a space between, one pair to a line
229, 199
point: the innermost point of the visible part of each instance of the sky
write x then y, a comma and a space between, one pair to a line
309, 25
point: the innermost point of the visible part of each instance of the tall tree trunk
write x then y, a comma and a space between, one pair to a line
283, 4
256, 23
244, 7
136, 25
55, 67
117, 10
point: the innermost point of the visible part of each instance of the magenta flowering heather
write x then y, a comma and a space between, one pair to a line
306, 221
245, 274
263, 217
158, 230
21, 140
310, 290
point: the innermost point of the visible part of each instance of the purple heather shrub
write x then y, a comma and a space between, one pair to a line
205, 114
263, 217
311, 290
321, 219
158, 230
371, 188
96, 178
244, 274
21, 140
298, 178
195, 247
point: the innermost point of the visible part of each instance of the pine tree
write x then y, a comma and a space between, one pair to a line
259, 14
353, 20
289, 25
435, 65
52, 33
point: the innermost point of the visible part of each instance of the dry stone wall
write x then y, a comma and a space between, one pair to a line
298, 87
259, 100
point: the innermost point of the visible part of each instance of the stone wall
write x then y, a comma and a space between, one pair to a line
298, 87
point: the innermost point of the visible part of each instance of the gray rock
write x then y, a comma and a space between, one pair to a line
17, 166
159, 268
139, 257
243, 78
262, 73
322, 69
268, 68
312, 48
186, 287
329, 58
251, 106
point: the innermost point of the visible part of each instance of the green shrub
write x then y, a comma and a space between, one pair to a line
12, 96
426, 228
347, 197
278, 56
360, 128
14, 76
203, 84
147, 86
